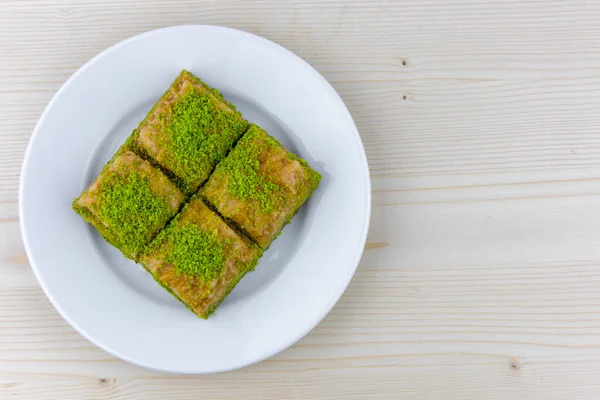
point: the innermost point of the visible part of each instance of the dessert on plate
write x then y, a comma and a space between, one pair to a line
196, 194
199, 258
129, 203
260, 186
189, 130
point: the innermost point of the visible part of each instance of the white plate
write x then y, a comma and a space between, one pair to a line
112, 301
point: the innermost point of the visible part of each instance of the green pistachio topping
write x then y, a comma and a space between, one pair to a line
246, 181
201, 133
194, 252
132, 209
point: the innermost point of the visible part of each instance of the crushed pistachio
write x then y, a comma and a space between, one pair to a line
242, 166
132, 209
200, 134
194, 252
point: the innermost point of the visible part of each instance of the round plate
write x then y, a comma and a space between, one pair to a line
113, 302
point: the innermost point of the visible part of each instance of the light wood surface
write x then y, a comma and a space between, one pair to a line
481, 276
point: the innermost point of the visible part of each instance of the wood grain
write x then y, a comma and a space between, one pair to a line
481, 276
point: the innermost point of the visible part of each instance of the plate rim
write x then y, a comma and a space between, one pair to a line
277, 349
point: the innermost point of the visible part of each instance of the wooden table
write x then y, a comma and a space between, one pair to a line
481, 276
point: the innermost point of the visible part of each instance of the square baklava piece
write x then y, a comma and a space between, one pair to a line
189, 130
199, 259
260, 186
129, 203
